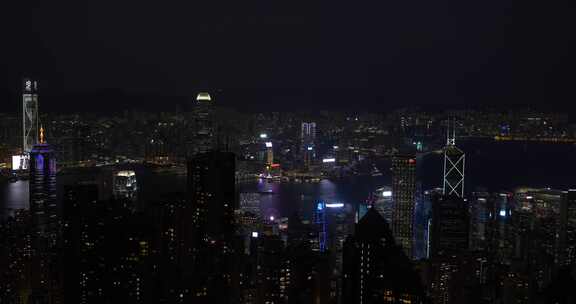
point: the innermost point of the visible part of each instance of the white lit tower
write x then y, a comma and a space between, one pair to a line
454, 164
29, 115
307, 140
203, 116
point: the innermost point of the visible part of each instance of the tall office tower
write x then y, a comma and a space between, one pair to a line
204, 123
172, 218
308, 279
448, 244
269, 153
479, 220
454, 164
211, 185
125, 187
384, 203
376, 270
82, 244
450, 225
42, 188
129, 259
320, 221
307, 142
500, 207
272, 269
29, 115
403, 195
425, 216
567, 233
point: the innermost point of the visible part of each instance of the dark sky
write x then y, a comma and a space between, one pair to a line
272, 52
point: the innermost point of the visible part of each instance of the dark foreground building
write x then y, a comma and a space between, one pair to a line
211, 185
376, 270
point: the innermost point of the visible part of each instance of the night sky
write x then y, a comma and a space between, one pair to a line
271, 53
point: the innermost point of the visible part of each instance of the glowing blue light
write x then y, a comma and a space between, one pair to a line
335, 205
502, 212
320, 206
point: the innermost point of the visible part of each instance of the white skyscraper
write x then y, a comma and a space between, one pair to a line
29, 115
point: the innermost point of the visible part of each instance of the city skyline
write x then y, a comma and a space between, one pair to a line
303, 152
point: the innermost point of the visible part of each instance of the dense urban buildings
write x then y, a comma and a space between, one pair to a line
287, 152
209, 205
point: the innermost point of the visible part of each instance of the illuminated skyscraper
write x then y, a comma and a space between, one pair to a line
29, 115
204, 123
269, 153
403, 195
320, 219
43, 189
384, 203
43, 211
125, 185
307, 142
454, 165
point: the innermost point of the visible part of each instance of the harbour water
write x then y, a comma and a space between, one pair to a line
493, 165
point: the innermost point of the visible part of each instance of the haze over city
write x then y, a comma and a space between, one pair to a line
302, 152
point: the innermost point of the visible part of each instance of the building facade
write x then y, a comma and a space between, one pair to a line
403, 196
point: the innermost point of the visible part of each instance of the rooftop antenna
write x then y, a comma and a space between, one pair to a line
42, 141
451, 132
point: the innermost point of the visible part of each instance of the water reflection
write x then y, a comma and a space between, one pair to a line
285, 199
14, 196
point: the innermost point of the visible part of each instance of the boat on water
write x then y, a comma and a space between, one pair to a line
375, 172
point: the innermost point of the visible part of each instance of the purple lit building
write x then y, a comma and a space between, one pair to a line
43, 190
44, 218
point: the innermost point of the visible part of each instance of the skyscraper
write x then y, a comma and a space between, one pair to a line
307, 142
29, 115
454, 164
450, 225
376, 270
211, 182
384, 203
125, 186
403, 195
203, 123
42, 188
448, 245
83, 244
479, 220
